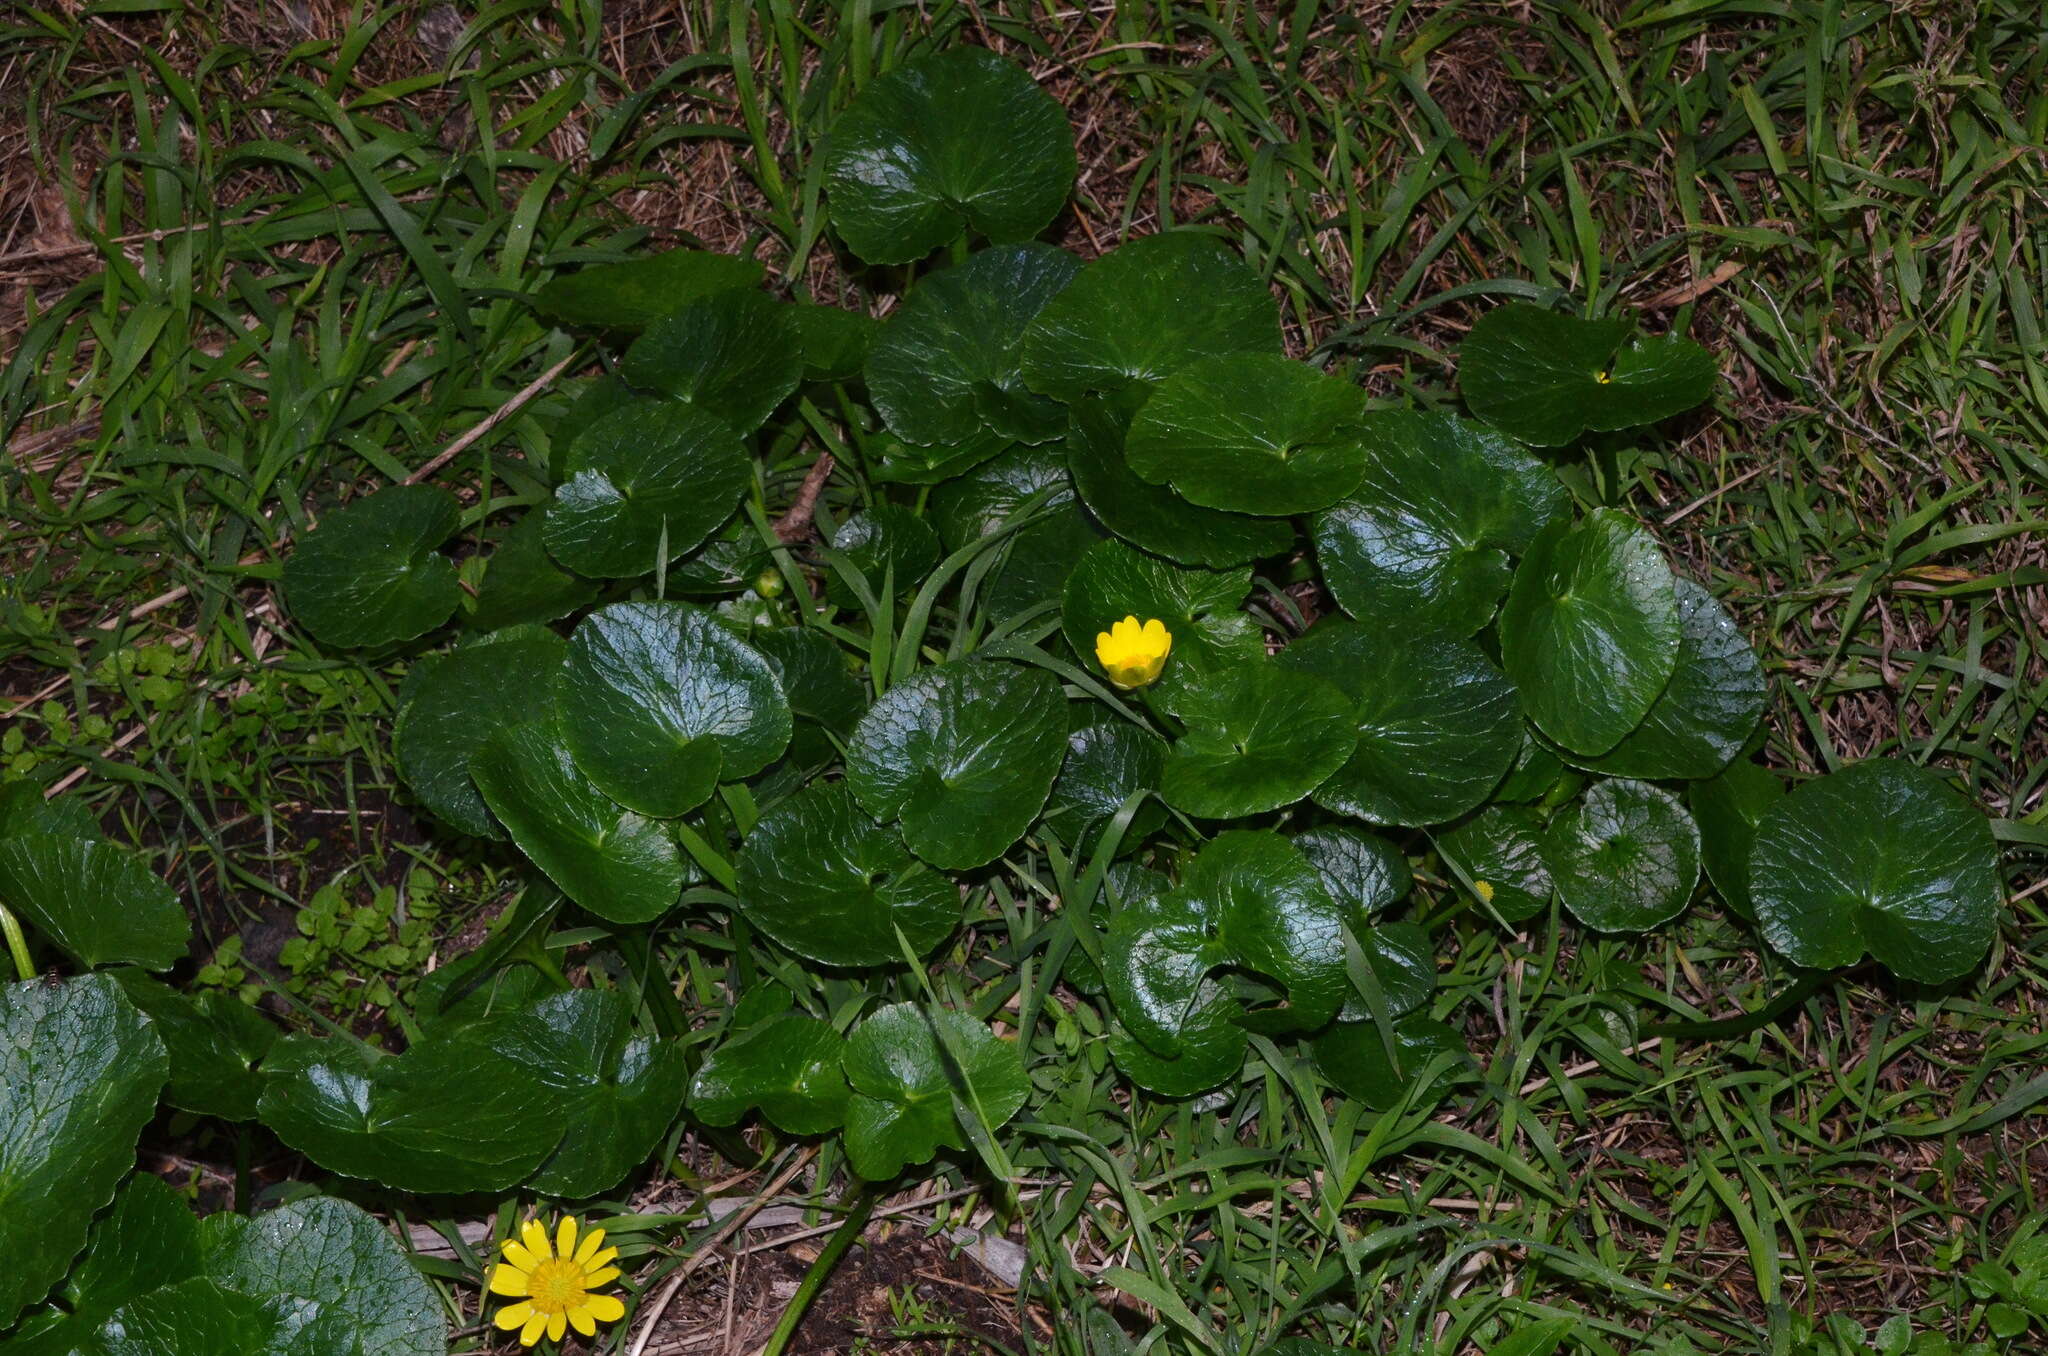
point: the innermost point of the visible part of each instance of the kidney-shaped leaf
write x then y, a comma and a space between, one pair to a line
1426, 536
146, 1240
1212, 1047
1258, 737
945, 366
1728, 807
1707, 711
1590, 631
964, 754
887, 542
612, 861
660, 702
1201, 609
634, 293
788, 1066
610, 1089
1625, 858
736, 355
215, 1041
956, 141
1154, 516
95, 900
1546, 378
369, 573
470, 694
1353, 1057
1499, 852
1881, 857
81, 1069
655, 472
1108, 761
909, 1067
1145, 310
1436, 722
1251, 433
1362, 871
824, 880
814, 675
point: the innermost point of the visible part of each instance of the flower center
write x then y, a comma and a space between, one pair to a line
555, 1285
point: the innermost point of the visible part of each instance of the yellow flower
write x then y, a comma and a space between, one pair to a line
1483, 890
1132, 655
552, 1284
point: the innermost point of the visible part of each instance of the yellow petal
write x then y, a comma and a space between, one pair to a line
605, 1258
593, 1239
536, 1240
510, 1281
606, 1308
512, 1315
580, 1319
535, 1326
517, 1254
557, 1325
565, 1237
594, 1279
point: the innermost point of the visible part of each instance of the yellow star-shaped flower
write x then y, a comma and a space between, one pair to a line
1132, 655
552, 1283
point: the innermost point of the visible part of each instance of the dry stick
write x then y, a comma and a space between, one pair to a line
1712, 495
724, 1231
491, 421
795, 525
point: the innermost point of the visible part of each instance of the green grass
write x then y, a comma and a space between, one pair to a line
317, 292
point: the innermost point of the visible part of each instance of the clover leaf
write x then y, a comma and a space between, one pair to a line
1546, 378
916, 1073
1881, 857
634, 293
788, 1066
959, 140
1625, 858
654, 475
1708, 710
468, 695
369, 574
1259, 737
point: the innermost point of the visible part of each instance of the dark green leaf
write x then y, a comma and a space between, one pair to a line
836, 341
1353, 1057
471, 694
1546, 378
633, 294
369, 573
1212, 1048
215, 1041
1108, 760
1201, 608
909, 1066
735, 355
887, 541
1728, 808
1403, 963
656, 472
1708, 710
1500, 854
196, 1317
982, 500
96, 901
814, 675
24, 809
896, 462
1153, 516
1625, 858
1258, 737
522, 583
1362, 871
788, 1066
147, 1239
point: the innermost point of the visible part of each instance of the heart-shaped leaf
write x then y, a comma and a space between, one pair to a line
945, 366
960, 140
987, 497
1108, 761
522, 582
1590, 632
1362, 871
1499, 853
836, 341
1251, 433
214, 1040
656, 473
1625, 858
82, 1069
1881, 857
25, 809
1728, 808
660, 702
369, 574
887, 541
787, 1066
1154, 516
1212, 1047
196, 1317
1353, 1057
1145, 310
910, 1067
610, 1090
1546, 378
1202, 609
1258, 737
964, 753
94, 900
634, 293
449, 1115
613, 862
1708, 710
814, 676
1436, 723
736, 355
824, 880
1426, 536
147, 1239
468, 696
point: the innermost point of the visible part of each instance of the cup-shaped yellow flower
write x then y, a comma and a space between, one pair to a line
1132, 655
550, 1282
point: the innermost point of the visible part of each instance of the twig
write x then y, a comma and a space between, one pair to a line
795, 525
1693, 291
491, 421
1712, 495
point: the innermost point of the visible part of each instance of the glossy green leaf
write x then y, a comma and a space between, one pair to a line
1426, 537
634, 293
1708, 710
988, 496
1258, 737
908, 1067
25, 809
1728, 808
147, 1239
1362, 871
96, 901
1353, 1057
611, 1091
1251, 433
892, 461
1625, 858
1038, 561
887, 541
1499, 852
945, 366
472, 693
957, 141
215, 1042
787, 1066
1436, 723
613, 862
1155, 517
735, 355
660, 702
449, 1115
821, 878
197, 1317
814, 675
1545, 378
835, 341
964, 754
369, 574
656, 473
1403, 962
1145, 310
1882, 857
1591, 629
1108, 761
1212, 1048
1203, 609
81, 1069
522, 582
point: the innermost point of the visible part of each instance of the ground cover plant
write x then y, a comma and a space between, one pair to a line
1034, 745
